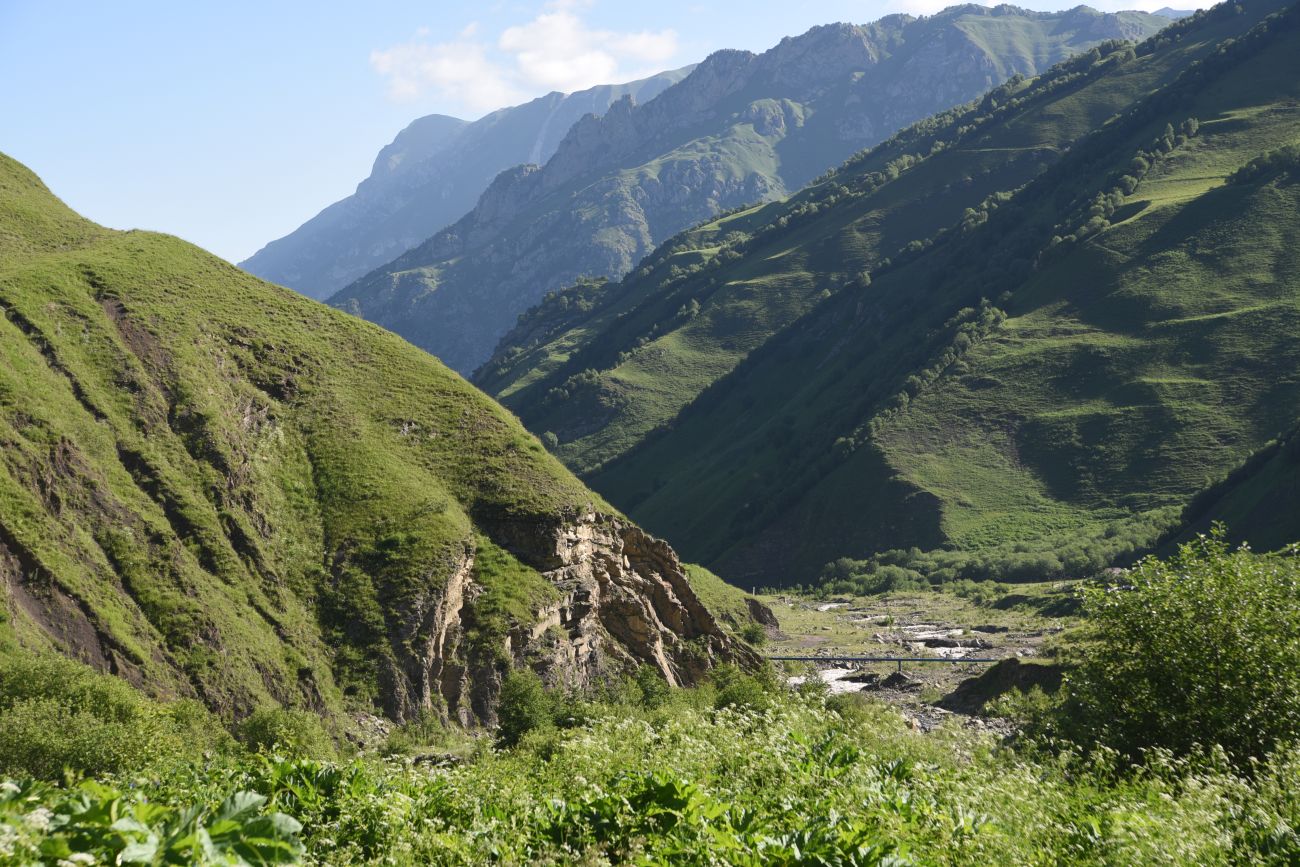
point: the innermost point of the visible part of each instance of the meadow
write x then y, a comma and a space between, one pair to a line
739, 770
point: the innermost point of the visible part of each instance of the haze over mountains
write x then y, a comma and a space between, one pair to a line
1020, 335
429, 176
740, 128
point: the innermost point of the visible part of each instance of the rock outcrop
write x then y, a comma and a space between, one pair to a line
624, 600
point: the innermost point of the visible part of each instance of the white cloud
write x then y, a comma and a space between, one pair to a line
460, 71
556, 50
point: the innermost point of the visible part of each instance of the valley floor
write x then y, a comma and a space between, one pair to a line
999, 622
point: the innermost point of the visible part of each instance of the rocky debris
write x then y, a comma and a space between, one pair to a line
972, 643
438, 760
900, 680
869, 679
991, 629
368, 731
760, 613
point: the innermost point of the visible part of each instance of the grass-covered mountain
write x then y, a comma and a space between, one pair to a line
214, 487
740, 128
1030, 328
1257, 502
427, 178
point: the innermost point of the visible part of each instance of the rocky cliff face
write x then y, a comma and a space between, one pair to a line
430, 175
623, 601
740, 128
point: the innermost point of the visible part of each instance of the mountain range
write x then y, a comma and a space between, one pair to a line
740, 128
428, 177
1031, 335
1016, 338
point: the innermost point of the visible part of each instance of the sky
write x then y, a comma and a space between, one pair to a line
231, 123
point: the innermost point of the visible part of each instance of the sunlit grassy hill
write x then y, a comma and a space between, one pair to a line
212, 486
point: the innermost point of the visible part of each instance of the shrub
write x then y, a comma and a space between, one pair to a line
754, 633
296, 733
655, 691
523, 707
1283, 160
1201, 649
737, 688
425, 731
57, 715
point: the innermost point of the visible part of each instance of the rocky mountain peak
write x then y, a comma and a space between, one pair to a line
740, 128
422, 138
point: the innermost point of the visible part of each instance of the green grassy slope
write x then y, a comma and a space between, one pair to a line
689, 315
210, 485
1258, 501
1130, 346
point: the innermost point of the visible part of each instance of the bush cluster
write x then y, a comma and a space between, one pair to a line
788, 779
59, 716
1283, 160
1196, 652
1078, 554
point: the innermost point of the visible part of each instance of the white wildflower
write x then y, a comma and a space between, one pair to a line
8, 788
77, 859
39, 819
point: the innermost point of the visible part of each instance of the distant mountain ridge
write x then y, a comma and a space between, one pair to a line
740, 128
1018, 336
430, 175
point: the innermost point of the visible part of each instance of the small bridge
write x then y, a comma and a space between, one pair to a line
898, 659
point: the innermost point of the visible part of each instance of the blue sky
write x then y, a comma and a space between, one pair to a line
230, 123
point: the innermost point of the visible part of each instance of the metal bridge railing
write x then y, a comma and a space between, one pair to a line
899, 659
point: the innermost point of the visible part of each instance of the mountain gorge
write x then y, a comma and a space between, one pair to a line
1029, 329
740, 128
997, 421
214, 487
427, 178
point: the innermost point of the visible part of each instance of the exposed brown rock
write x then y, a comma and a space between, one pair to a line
625, 601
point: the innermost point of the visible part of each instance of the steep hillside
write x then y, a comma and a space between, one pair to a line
213, 486
739, 129
601, 366
427, 178
1258, 502
1060, 369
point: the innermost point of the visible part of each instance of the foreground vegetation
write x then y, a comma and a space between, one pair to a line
1137, 760
794, 779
